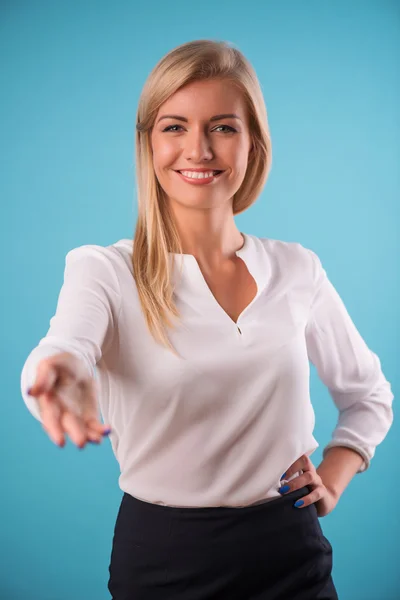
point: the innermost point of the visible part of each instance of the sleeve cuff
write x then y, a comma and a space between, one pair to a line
361, 452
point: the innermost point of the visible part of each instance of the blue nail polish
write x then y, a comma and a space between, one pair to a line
299, 503
107, 431
284, 489
283, 476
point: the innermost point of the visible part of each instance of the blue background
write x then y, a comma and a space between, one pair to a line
71, 75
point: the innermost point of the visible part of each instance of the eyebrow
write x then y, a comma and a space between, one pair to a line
214, 118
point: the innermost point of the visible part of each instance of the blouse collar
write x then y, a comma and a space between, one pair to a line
253, 253
192, 283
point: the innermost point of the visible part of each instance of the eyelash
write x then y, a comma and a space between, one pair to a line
231, 129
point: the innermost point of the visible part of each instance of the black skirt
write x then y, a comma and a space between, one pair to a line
269, 551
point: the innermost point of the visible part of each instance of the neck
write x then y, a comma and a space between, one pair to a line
211, 236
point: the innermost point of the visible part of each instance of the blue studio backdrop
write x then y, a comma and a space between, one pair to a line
71, 74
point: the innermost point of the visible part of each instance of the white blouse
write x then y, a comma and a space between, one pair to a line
218, 425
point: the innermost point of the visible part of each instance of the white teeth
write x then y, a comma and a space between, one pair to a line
195, 175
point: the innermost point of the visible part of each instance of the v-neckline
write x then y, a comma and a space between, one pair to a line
194, 288
252, 254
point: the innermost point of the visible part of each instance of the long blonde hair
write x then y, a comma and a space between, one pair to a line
156, 235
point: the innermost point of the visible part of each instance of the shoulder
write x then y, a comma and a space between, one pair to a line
106, 261
294, 258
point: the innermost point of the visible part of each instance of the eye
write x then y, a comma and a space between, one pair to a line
169, 128
227, 127
230, 129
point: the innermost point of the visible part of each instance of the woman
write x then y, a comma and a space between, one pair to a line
201, 337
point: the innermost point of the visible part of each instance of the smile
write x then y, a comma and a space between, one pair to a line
199, 178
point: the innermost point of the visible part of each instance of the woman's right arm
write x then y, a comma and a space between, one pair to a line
85, 318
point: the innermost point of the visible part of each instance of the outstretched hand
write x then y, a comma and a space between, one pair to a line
66, 397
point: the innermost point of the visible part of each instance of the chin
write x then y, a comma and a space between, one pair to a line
197, 202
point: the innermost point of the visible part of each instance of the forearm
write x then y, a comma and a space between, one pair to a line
338, 468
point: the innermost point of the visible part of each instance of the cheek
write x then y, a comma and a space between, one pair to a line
164, 153
239, 166
242, 163
236, 155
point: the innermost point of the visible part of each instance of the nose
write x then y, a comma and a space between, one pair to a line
197, 146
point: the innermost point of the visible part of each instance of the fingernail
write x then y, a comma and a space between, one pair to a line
299, 503
283, 476
28, 391
284, 489
107, 431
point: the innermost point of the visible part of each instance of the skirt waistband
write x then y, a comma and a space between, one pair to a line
218, 511
154, 523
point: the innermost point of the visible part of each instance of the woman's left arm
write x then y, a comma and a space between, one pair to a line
327, 482
357, 385
338, 468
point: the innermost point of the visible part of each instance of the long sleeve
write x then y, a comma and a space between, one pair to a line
86, 312
350, 370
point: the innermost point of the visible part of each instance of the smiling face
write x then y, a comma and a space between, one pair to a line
191, 134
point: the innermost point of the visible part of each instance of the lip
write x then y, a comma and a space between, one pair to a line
204, 180
200, 170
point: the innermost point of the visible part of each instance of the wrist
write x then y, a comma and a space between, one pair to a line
338, 468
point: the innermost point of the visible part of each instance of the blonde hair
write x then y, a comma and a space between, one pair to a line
156, 235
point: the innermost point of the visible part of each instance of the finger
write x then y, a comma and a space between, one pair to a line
311, 498
308, 478
90, 411
82, 403
75, 428
301, 464
94, 432
51, 414
95, 437
97, 427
